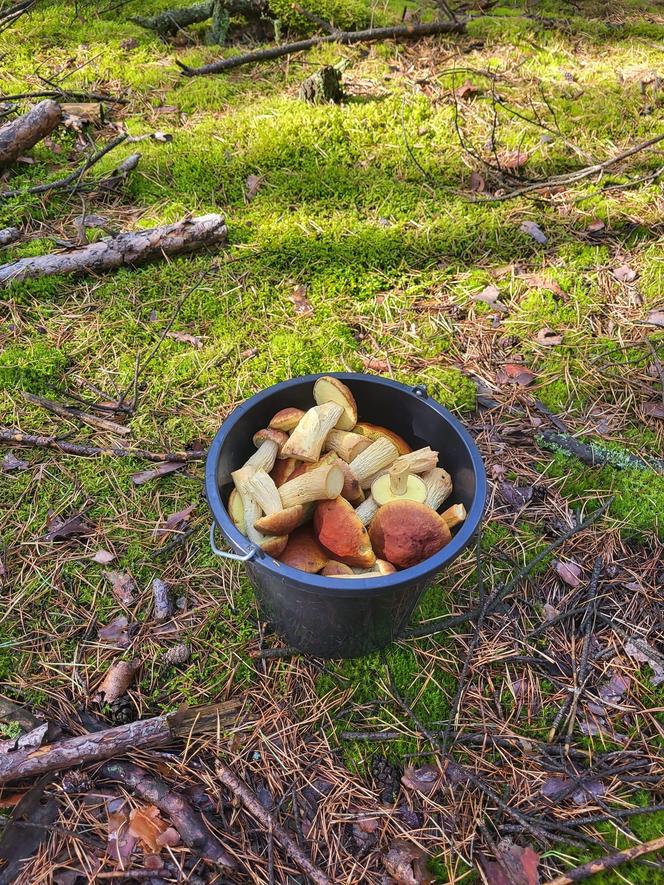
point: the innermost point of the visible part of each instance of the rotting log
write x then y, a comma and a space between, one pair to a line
595, 455
14, 436
100, 745
133, 248
169, 22
21, 134
9, 235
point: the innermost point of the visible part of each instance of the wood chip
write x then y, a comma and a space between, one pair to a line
117, 680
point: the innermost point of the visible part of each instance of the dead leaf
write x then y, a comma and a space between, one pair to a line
556, 787
372, 364
490, 295
407, 864
516, 496
569, 572
515, 373
186, 338
77, 113
251, 186
599, 726
147, 825
644, 653
653, 410
364, 832
612, 691
116, 633
624, 274
176, 522
117, 680
123, 586
595, 226
468, 90
548, 337
518, 865
512, 160
477, 183
121, 842
656, 318
103, 557
162, 469
533, 230
537, 281
59, 529
299, 298
11, 462
424, 779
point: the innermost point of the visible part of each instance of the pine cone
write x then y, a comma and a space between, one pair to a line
386, 778
76, 782
178, 654
122, 710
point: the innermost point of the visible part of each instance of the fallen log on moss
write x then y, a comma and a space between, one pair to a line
596, 455
137, 247
345, 38
169, 22
159, 731
17, 437
21, 134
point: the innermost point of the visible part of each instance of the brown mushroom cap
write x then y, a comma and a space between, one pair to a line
269, 433
334, 569
340, 531
286, 419
282, 522
374, 431
304, 552
407, 532
282, 470
330, 390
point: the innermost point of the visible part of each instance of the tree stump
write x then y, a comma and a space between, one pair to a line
323, 86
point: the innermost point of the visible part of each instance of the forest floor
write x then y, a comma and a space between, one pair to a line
363, 236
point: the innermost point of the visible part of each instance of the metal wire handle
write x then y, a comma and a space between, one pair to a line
245, 557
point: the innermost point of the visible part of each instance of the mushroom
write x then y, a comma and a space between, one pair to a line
398, 484
367, 510
439, 487
340, 531
420, 460
407, 532
266, 453
272, 544
335, 569
351, 490
277, 520
347, 445
381, 567
277, 436
306, 441
330, 390
375, 431
304, 552
454, 515
379, 455
313, 485
236, 511
286, 419
282, 470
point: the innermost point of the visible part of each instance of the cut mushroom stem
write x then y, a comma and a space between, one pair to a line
382, 489
454, 515
347, 445
379, 455
367, 510
272, 544
398, 478
277, 520
420, 460
264, 457
438, 483
236, 511
306, 441
314, 485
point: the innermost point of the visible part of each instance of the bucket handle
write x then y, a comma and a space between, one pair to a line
245, 557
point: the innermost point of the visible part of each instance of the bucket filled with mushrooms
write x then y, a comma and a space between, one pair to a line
344, 496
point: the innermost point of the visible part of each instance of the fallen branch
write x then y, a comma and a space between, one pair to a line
156, 732
610, 862
66, 95
17, 437
133, 248
345, 38
596, 455
71, 412
9, 235
186, 820
21, 134
169, 22
250, 801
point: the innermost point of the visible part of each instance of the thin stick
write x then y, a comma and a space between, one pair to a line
594, 455
64, 94
556, 619
250, 801
610, 862
17, 437
345, 38
71, 412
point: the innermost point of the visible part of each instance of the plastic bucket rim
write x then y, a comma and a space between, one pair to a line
323, 583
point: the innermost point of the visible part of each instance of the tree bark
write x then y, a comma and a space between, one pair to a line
169, 22
596, 455
9, 235
132, 248
156, 732
23, 133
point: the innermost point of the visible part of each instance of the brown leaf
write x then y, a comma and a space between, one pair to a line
59, 529
516, 496
117, 680
407, 864
515, 373
298, 297
176, 522
612, 691
162, 469
477, 183
123, 586
653, 410
537, 281
117, 632
511, 160
490, 295
103, 557
11, 462
468, 90
186, 338
624, 274
372, 364
656, 318
121, 842
147, 825
569, 572
424, 779
518, 865
643, 652
252, 185
595, 226
548, 337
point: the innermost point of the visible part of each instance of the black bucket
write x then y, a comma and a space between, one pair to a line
331, 617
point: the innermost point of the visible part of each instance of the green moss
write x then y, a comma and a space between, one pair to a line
32, 366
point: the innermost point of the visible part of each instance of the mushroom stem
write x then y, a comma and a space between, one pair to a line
277, 520
306, 441
367, 510
264, 491
399, 478
378, 455
272, 544
438, 483
419, 460
346, 444
454, 515
314, 485
264, 457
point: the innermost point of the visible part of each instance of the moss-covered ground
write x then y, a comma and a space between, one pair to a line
369, 207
